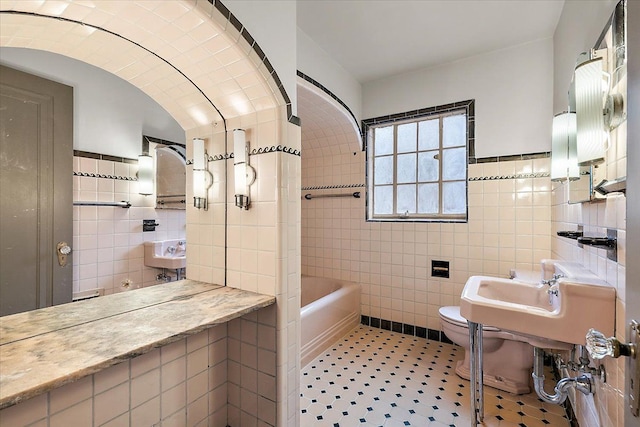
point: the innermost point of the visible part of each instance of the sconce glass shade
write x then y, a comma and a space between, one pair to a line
198, 153
145, 175
591, 136
244, 174
199, 183
563, 161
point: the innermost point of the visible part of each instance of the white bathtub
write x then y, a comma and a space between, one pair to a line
329, 309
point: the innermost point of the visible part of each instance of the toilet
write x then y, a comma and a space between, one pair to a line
507, 358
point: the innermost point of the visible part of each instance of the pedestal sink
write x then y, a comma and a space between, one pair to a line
171, 254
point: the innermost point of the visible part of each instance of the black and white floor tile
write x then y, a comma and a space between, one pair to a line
375, 377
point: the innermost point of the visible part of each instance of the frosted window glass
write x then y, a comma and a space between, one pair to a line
407, 138
406, 199
454, 164
383, 200
428, 167
383, 140
383, 170
429, 135
428, 198
454, 196
454, 131
406, 168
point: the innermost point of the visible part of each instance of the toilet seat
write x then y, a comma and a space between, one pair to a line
452, 315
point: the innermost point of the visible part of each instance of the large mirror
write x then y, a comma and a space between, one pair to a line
109, 116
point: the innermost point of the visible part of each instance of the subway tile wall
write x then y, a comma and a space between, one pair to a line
181, 384
108, 242
509, 227
606, 407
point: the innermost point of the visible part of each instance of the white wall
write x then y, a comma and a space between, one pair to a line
317, 64
512, 87
110, 115
272, 23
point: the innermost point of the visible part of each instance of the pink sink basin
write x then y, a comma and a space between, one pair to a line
525, 309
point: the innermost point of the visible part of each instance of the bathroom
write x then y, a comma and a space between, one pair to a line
252, 261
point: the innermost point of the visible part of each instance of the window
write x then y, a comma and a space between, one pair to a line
417, 164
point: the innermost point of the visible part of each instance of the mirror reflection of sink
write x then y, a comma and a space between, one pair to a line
524, 309
170, 254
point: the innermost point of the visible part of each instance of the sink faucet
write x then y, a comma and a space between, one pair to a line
553, 280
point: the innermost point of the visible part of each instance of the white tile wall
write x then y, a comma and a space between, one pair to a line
108, 241
509, 227
183, 383
263, 256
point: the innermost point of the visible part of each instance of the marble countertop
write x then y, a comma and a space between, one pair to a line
43, 349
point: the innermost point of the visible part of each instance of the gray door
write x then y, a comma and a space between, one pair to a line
36, 153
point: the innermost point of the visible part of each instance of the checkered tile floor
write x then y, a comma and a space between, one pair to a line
374, 377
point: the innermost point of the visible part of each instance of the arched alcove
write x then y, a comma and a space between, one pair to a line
188, 57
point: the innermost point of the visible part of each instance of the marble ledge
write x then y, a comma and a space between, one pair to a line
47, 348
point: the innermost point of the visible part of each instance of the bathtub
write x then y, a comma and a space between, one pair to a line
329, 309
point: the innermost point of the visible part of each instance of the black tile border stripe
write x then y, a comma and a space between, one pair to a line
512, 158
101, 175
517, 176
405, 329
333, 187
331, 94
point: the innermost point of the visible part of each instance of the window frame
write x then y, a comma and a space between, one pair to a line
440, 112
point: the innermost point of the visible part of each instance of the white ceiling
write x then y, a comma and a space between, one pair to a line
373, 39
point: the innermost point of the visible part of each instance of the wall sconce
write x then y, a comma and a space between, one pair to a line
145, 174
590, 89
202, 178
564, 162
243, 173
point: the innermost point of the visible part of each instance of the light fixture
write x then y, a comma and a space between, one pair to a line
244, 174
202, 178
145, 174
564, 164
591, 87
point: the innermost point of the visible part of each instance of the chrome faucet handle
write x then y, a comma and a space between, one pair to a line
553, 280
599, 346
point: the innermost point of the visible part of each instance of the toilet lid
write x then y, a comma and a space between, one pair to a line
452, 315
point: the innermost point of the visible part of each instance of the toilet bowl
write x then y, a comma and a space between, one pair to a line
507, 358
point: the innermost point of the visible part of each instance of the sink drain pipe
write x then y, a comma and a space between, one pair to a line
581, 383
